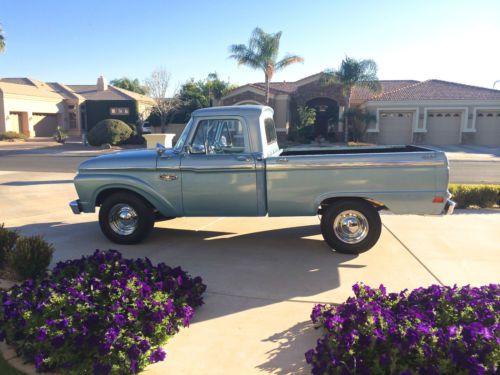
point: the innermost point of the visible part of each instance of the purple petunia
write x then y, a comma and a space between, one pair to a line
102, 308
157, 355
409, 332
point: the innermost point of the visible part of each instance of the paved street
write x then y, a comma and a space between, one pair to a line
263, 274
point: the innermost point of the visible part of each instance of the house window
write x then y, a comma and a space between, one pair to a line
119, 111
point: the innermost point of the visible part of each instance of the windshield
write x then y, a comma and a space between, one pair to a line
182, 139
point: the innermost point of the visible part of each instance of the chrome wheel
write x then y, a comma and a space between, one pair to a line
123, 219
351, 226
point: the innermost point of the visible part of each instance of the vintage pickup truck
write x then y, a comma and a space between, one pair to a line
227, 162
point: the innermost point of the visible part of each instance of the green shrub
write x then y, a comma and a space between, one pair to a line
109, 131
7, 136
31, 257
136, 138
60, 135
8, 240
483, 196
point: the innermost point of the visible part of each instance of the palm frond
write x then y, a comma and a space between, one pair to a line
2, 40
288, 60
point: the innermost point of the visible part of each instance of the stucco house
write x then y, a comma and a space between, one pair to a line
430, 112
37, 108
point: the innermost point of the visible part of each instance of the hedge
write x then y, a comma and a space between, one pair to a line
109, 131
484, 196
7, 136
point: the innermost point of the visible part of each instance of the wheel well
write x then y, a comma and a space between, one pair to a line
103, 195
329, 201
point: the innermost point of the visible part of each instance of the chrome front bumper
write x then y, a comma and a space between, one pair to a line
75, 207
449, 207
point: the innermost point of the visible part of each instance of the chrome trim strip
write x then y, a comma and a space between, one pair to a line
367, 164
117, 169
231, 169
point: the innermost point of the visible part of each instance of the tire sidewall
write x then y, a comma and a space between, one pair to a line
374, 223
145, 217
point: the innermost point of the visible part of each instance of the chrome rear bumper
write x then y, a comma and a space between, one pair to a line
449, 207
75, 207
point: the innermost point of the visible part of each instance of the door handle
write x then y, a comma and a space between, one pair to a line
243, 158
282, 160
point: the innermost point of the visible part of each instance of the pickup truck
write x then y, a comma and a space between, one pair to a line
227, 162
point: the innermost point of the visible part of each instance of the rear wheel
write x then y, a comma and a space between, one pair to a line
126, 218
351, 226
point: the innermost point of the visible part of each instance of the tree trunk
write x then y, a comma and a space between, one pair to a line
267, 89
346, 124
163, 120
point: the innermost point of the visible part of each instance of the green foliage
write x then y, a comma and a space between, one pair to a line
200, 94
484, 196
109, 131
8, 240
360, 119
2, 40
302, 124
60, 135
133, 85
10, 135
262, 53
31, 257
136, 138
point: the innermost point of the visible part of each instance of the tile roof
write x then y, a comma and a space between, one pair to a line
360, 93
435, 89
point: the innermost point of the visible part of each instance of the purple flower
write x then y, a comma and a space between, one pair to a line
133, 352
42, 334
157, 355
134, 366
120, 319
57, 341
39, 361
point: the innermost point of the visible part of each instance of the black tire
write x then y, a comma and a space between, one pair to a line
142, 224
365, 241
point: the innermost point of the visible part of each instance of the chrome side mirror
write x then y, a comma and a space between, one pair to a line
160, 149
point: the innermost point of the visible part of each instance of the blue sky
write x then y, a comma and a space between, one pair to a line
74, 42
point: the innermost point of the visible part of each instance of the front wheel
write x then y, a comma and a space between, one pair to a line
126, 218
351, 226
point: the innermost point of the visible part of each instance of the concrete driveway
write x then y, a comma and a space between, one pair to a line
263, 274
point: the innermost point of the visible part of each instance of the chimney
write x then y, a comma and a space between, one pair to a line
102, 85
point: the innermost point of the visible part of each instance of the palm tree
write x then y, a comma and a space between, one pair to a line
360, 119
352, 72
129, 84
2, 40
262, 53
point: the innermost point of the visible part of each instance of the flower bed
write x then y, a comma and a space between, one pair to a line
437, 330
99, 314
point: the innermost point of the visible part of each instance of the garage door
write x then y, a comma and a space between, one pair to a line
487, 128
44, 124
395, 128
443, 128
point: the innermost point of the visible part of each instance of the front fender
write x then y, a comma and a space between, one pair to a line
89, 186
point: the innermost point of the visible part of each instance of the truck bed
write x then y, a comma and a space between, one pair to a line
351, 150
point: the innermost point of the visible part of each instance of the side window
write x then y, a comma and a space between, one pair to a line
270, 130
219, 136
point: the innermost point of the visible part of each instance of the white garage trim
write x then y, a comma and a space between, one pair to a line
474, 116
414, 127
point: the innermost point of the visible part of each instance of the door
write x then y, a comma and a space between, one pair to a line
443, 128
487, 128
218, 170
395, 128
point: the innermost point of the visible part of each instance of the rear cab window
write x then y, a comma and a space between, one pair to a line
270, 128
